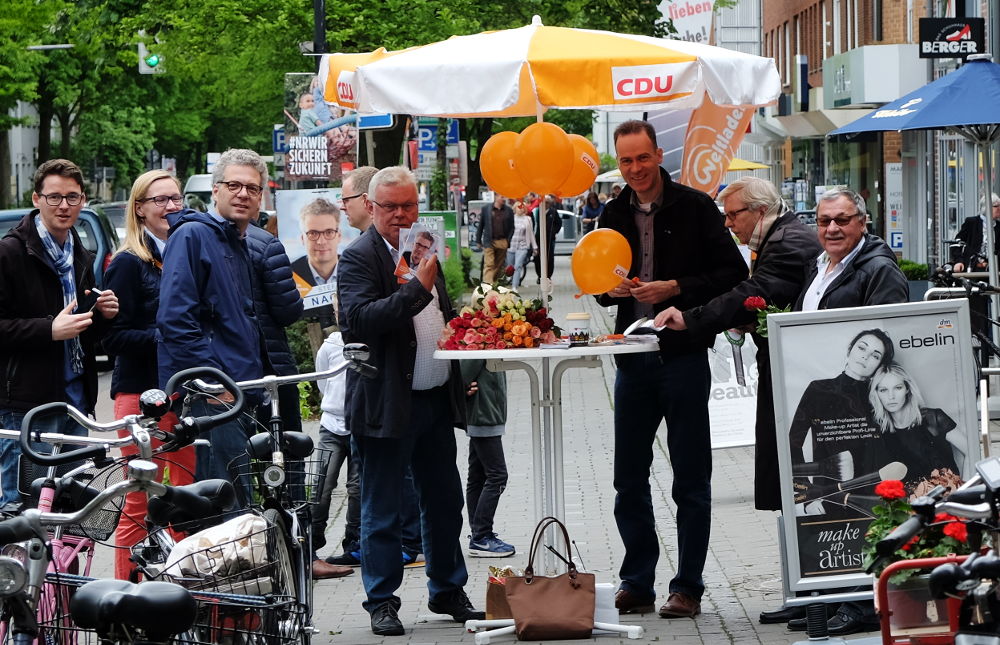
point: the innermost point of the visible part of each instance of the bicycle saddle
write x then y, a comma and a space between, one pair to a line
158, 609
297, 445
190, 504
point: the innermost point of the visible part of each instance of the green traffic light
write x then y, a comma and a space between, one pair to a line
153, 60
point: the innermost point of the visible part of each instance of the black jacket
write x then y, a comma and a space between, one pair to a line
872, 278
553, 224
378, 311
275, 296
132, 337
32, 364
972, 234
692, 246
484, 232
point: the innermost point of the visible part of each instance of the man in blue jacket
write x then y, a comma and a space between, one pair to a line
207, 315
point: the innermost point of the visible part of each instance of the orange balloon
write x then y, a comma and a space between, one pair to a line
497, 165
585, 166
601, 260
543, 157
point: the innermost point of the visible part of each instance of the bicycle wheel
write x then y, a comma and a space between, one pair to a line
292, 624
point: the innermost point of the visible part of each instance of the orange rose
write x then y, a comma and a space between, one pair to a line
529, 341
507, 335
518, 341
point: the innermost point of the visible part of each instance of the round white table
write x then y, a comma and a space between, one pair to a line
546, 409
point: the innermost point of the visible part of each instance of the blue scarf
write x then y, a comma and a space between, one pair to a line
63, 261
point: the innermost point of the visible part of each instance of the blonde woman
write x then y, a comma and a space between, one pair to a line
134, 274
523, 244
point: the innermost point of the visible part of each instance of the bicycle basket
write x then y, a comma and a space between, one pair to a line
221, 618
99, 525
302, 478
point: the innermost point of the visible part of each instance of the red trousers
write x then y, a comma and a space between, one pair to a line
177, 467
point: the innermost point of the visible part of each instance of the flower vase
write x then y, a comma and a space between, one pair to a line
912, 606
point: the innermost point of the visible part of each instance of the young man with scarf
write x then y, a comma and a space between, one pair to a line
46, 342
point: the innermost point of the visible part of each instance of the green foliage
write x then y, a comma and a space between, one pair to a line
455, 277
608, 162
914, 270
307, 408
120, 136
298, 340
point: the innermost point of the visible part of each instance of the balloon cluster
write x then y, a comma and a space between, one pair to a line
542, 159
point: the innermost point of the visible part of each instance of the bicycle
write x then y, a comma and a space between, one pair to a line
285, 476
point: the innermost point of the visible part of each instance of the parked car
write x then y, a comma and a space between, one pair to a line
116, 215
93, 227
198, 192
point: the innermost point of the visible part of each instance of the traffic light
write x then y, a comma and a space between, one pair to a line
149, 63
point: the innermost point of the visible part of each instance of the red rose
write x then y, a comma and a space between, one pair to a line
957, 530
755, 303
510, 270
889, 489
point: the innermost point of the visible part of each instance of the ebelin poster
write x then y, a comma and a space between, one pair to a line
864, 395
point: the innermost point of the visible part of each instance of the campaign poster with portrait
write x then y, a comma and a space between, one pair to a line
314, 231
864, 395
322, 139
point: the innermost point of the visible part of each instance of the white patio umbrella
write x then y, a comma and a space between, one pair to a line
525, 71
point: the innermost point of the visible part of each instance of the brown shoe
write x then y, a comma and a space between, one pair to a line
322, 570
680, 605
627, 602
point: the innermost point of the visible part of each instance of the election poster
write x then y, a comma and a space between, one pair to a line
322, 139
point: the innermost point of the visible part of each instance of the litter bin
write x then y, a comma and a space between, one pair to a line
570, 226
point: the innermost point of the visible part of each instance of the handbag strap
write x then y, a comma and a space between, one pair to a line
536, 541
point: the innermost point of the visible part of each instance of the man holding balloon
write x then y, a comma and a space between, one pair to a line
682, 256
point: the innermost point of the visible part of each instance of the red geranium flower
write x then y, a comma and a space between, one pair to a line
890, 489
957, 530
754, 303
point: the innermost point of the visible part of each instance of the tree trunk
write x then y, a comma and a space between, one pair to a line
5, 171
480, 130
46, 97
65, 131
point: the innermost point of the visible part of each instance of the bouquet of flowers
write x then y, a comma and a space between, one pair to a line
758, 304
499, 319
945, 536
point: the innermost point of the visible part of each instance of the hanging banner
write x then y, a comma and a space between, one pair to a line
864, 395
691, 18
713, 135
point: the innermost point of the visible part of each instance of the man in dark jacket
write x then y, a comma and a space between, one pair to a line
406, 414
682, 256
47, 343
855, 269
553, 224
784, 248
973, 232
496, 227
207, 315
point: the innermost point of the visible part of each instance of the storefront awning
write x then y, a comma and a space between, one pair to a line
817, 123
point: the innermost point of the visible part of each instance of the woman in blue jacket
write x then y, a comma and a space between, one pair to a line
134, 274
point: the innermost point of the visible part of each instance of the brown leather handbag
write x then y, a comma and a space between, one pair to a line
551, 608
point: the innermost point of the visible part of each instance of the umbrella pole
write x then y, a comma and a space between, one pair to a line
983, 147
543, 234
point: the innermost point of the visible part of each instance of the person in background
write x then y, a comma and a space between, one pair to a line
973, 232
683, 257
592, 210
487, 477
354, 196
523, 243
496, 227
134, 274
46, 339
553, 223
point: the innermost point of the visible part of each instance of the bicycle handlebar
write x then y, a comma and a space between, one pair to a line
85, 452
197, 425
271, 381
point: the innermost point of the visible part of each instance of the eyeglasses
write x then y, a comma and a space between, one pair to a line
54, 199
426, 247
406, 207
350, 197
328, 234
161, 200
236, 186
840, 220
735, 213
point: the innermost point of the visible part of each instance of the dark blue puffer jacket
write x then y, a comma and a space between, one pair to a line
275, 296
206, 314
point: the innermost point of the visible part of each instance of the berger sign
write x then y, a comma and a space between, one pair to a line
952, 37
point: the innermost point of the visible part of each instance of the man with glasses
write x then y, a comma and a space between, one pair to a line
972, 256
207, 315
50, 322
319, 221
354, 197
406, 415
